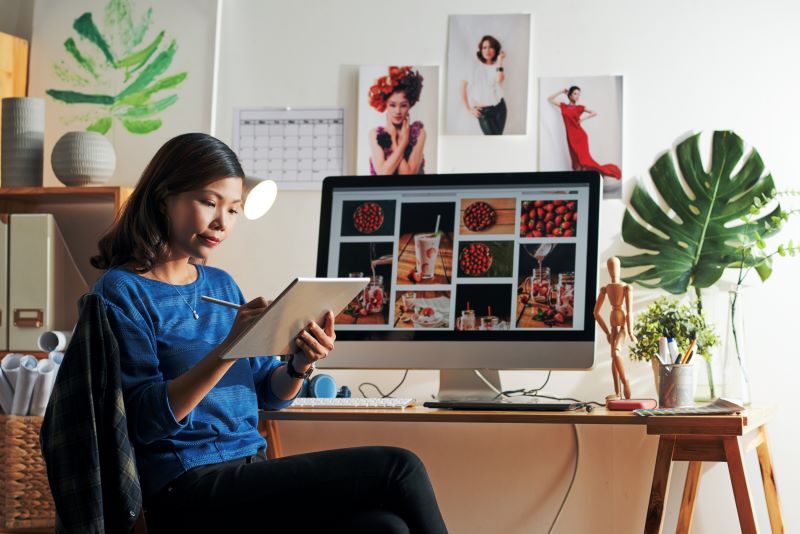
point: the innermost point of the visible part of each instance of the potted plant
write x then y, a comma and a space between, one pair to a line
754, 255
691, 232
669, 317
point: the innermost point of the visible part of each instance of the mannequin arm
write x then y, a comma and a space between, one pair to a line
601, 298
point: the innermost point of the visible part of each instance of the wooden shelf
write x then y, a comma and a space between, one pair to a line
83, 215
32, 196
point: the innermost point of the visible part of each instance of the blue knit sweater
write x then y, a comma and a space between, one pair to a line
159, 340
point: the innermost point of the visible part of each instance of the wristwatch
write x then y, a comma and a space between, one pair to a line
499, 69
291, 371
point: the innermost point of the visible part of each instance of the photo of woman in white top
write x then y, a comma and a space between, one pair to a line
483, 93
488, 61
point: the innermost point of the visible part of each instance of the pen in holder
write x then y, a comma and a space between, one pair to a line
675, 385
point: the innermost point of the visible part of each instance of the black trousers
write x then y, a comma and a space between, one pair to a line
493, 118
356, 490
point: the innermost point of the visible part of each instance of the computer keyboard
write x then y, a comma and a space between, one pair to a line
351, 402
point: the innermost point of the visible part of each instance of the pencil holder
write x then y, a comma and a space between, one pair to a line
676, 385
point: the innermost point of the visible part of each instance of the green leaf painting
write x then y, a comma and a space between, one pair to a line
118, 70
697, 235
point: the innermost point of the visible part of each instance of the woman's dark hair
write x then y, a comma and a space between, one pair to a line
572, 90
493, 43
411, 86
141, 232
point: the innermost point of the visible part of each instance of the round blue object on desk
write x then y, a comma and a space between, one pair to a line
322, 387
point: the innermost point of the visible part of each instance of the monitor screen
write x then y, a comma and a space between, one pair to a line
463, 259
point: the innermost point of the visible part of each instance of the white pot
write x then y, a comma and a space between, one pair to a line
22, 151
83, 158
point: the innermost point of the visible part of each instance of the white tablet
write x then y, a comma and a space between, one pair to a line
303, 301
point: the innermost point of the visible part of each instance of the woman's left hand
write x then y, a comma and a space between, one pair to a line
502, 55
315, 342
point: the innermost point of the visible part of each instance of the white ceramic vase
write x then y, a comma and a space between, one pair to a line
83, 158
22, 151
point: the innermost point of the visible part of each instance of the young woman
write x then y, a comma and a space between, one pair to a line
399, 146
577, 140
483, 95
192, 417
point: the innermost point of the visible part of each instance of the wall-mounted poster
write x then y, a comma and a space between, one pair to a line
487, 74
580, 127
397, 119
138, 71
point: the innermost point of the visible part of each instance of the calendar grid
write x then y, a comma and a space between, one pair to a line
297, 148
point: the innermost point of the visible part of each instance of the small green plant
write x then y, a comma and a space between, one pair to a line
668, 317
752, 249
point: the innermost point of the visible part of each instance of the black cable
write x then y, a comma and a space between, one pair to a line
383, 396
584, 403
527, 391
535, 393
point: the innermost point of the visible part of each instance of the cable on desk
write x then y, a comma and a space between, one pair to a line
601, 404
532, 392
572, 480
513, 392
383, 396
491, 386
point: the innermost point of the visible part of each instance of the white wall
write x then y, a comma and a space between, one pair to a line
687, 66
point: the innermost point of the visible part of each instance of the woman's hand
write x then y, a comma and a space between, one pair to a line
501, 56
476, 111
315, 343
404, 135
245, 316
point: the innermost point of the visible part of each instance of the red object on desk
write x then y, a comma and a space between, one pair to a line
628, 405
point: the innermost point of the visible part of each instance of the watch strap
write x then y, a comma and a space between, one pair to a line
294, 373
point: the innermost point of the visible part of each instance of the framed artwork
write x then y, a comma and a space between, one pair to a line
580, 127
487, 74
138, 71
398, 114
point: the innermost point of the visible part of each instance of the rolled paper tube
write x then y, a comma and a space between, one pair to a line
26, 380
54, 340
56, 356
6, 394
46, 370
10, 366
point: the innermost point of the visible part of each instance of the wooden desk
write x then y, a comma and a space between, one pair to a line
695, 439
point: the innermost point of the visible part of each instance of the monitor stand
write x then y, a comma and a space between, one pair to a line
464, 384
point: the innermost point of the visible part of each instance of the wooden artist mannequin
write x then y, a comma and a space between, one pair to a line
621, 323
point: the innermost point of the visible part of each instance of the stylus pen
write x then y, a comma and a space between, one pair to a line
212, 300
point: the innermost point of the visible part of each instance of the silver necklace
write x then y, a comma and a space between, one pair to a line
191, 307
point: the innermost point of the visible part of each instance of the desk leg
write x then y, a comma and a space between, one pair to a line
269, 429
770, 488
660, 488
689, 497
741, 490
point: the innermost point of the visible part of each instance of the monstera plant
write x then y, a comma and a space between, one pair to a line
698, 233
705, 214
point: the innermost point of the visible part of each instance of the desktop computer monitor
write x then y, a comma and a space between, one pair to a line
468, 271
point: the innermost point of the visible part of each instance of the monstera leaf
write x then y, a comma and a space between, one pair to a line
701, 234
101, 61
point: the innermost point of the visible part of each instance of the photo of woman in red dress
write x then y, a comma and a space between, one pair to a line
585, 133
577, 139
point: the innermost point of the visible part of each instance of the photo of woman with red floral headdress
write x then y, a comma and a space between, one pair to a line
400, 142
